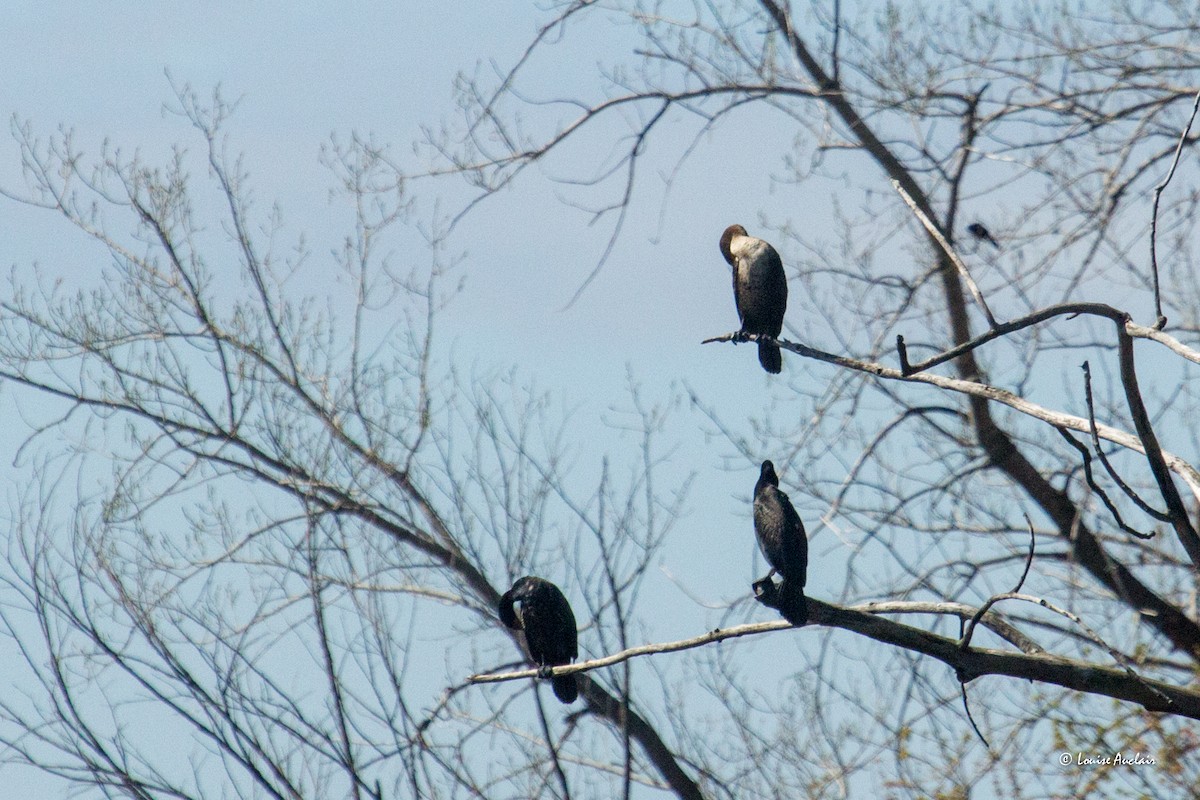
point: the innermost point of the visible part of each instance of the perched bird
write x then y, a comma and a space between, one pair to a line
981, 233
759, 290
549, 625
782, 540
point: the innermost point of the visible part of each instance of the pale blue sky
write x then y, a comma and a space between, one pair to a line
306, 71
303, 73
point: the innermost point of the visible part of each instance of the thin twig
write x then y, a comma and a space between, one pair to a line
932, 227
1091, 634
965, 640
962, 685
1161, 320
1108, 467
554, 760
1028, 558
834, 65
1095, 487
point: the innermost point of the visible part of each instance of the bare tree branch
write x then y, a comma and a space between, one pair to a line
969, 662
948, 249
1160, 319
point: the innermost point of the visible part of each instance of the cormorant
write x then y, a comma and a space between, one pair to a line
759, 290
782, 540
549, 625
981, 233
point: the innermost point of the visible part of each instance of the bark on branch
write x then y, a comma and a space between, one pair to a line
1189, 474
1087, 549
968, 663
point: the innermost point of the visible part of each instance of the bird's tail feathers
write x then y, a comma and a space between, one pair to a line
770, 358
565, 687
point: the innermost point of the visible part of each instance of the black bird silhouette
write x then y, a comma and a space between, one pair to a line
981, 233
549, 625
759, 290
782, 539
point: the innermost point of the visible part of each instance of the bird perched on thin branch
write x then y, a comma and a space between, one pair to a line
982, 234
549, 625
782, 539
759, 290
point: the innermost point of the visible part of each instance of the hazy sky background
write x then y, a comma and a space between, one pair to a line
306, 71
302, 74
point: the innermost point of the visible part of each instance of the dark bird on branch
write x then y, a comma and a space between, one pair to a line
981, 233
782, 539
549, 625
759, 290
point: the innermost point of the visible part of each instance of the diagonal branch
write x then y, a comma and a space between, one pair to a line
1090, 478
948, 249
971, 663
1108, 467
977, 389
1000, 447
1118, 317
1180, 520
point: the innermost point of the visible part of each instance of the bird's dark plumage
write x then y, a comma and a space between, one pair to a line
982, 234
549, 625
759, 290
783, 542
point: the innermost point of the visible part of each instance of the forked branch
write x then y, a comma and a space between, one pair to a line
1058, 419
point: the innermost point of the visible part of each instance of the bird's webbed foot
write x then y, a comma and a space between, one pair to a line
739, 336
544, 671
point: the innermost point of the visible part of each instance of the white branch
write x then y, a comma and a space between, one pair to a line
1190, 474
991, 621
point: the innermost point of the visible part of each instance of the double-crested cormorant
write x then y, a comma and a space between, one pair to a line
759, 290
782, 540
549, 625
982, 234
